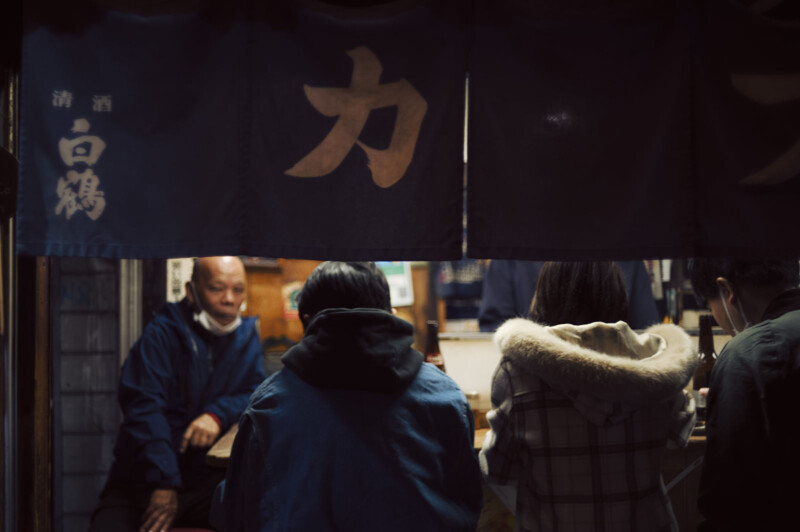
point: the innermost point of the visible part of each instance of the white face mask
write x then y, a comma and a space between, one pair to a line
208, 323
727, 313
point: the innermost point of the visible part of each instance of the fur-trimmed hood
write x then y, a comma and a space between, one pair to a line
607, 361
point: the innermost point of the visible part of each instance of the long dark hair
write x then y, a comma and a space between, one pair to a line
579, 293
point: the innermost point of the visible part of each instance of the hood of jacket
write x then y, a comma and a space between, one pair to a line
358, 349
602, 365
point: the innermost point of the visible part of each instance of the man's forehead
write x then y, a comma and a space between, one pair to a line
219, 268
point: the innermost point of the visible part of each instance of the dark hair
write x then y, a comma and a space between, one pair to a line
704, 272
579, 293
344, 285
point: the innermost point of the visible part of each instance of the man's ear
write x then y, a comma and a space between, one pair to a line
726, 290
190, 294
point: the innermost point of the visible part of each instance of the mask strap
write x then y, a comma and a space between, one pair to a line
744, 317
727, 313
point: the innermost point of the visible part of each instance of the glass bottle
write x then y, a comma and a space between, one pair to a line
432, 352
707, 356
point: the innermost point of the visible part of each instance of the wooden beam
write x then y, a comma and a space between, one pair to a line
43, 411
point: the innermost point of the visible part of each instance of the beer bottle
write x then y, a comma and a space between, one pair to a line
706, 356
432, 352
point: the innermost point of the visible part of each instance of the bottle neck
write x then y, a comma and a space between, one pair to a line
706, 341
432, 344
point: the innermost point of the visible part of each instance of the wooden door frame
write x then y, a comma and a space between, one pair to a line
34, 435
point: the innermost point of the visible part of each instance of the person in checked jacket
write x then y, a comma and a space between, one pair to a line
584, 408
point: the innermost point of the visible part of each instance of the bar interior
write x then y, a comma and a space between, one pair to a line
461, 146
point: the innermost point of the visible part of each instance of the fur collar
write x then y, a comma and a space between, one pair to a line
605, 360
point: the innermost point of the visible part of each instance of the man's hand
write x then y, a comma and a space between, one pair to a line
161, 511
201, 433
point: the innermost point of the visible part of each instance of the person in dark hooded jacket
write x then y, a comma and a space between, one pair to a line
185, 382
751, 462
356, 432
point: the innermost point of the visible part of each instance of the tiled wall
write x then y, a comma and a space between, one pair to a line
86, 365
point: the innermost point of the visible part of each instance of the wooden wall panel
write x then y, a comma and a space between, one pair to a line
265, 297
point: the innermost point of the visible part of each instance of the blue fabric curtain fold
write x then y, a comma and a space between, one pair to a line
633, 130
747, 107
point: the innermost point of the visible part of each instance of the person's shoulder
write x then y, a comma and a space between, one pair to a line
739, 345
433, 380
747, 346
787, 324
249, 322
164, 326
248, 331
777, 335
270, 387
783, 328
762, 353
168, 316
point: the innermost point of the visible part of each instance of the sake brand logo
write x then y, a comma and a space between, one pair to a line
78, 190
772, 90
352, 105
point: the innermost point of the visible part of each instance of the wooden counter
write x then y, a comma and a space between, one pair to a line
220, 452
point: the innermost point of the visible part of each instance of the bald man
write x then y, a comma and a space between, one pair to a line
186, 381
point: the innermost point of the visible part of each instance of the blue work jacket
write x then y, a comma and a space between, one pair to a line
175, 372
356, 433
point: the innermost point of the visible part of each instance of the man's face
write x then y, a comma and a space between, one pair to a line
221, 287
718, 311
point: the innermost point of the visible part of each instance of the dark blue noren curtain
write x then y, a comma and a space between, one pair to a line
622, 129
615, 129
271, 130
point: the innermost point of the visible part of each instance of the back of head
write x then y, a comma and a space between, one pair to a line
779, 275
579, 293
343, 285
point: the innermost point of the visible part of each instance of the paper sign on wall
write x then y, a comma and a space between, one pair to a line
179, 271
398, 274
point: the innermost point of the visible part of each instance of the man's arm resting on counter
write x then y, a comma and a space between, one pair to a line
201, 433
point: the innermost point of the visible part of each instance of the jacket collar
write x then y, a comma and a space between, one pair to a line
606, 361
359, 349
785, 302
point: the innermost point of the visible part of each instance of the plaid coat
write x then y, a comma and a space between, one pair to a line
581, 418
